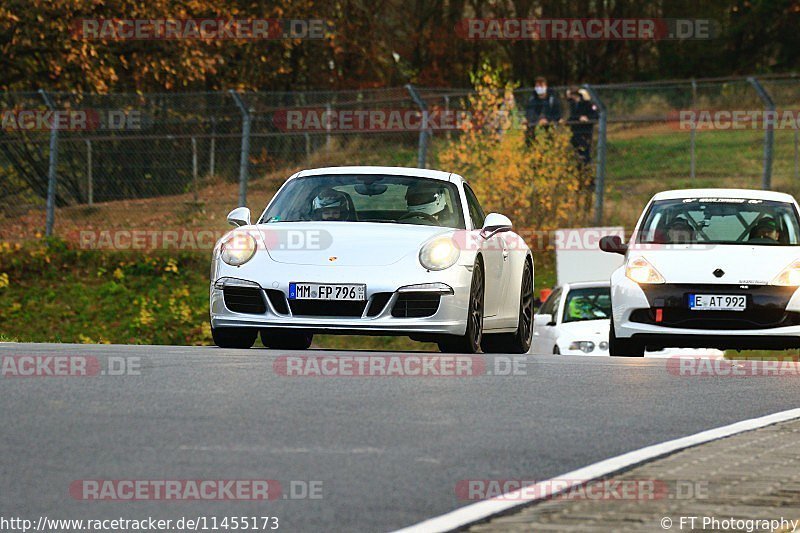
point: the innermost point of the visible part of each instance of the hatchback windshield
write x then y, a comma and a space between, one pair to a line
720, 221
368, 198
588, 304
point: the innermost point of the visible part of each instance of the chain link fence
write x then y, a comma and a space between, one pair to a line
144, 152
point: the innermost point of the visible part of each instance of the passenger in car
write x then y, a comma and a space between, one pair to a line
766, 230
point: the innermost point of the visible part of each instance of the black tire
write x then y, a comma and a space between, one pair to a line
623, 347
242, 338
470, 342
520, 340
556, 350
282, 339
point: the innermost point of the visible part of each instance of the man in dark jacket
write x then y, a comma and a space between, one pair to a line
582, 117
543, 108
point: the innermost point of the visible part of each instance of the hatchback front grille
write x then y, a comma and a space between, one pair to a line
722, 320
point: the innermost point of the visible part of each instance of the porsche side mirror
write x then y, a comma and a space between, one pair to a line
239, 217
613, 244
495, 223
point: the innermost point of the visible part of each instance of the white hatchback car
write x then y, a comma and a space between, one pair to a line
708, 268
574, 320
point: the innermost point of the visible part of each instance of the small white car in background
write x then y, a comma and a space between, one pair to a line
575, 320
376, 251
708, 267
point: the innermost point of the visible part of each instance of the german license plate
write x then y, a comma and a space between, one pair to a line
717, 302
345, 292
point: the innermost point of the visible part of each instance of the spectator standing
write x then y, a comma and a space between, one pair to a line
543, 108
582, 117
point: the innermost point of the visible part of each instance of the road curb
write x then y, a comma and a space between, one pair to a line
481, 511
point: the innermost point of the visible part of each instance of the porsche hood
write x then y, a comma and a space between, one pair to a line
343, 243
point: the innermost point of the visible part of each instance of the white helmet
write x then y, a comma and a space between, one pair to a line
426, 199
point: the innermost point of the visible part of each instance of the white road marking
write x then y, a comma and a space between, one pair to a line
544, 489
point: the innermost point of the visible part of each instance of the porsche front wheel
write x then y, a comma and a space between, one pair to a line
470, 342
520, 340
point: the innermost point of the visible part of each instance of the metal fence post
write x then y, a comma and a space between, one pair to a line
212, 150
52, 172
769, 134
194, 169
328, 126
244, 161
602, 142
89, 178
447, 112
692, 165
424, 133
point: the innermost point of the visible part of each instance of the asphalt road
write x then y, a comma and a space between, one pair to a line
388, 451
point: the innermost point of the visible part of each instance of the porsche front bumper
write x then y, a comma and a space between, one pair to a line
377, 316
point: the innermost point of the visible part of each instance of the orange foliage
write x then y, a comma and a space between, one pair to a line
541, 186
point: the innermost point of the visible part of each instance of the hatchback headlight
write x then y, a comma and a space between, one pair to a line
439, 253
584, 346
642, 272
238, 248
789, 277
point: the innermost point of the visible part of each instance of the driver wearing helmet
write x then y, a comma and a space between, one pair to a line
330, 204
680, 231
425, 200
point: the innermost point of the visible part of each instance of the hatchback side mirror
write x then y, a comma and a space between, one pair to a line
613, 244
239, 217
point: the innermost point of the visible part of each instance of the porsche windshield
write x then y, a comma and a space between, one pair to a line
720, 221
368, 198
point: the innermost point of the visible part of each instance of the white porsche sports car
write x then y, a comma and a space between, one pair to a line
373, 250
713, 268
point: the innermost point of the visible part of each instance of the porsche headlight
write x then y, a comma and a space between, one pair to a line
790, 277
439, 253
238, 248
642, 272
